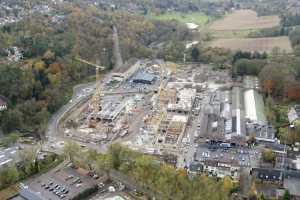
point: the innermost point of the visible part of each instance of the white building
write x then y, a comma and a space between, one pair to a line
185, 101
254, 107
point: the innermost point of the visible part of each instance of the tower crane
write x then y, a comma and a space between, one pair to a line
95, 104
162, 93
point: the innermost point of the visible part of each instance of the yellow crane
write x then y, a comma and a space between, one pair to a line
162, 93
162, 99
95, 104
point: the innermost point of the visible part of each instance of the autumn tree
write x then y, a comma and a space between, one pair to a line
268, 156
253, 192
71, 150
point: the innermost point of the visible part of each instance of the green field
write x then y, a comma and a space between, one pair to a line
197, 18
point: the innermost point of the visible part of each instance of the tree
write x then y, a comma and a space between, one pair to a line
11, 139
12, 120
227, 185
29, 160
103, 164
195, 54
261, 197
71, 150
248, 67
268, 156
8, 175
90, 157
274, 77
174, 51
286, 195
253, 192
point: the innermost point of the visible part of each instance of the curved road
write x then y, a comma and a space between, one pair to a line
80, 93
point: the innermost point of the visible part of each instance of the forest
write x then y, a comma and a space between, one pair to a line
42, 82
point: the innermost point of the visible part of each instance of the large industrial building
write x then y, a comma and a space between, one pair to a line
254, 107
238, 121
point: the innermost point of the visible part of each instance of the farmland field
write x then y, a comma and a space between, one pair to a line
244, 20
197, 18
254, 44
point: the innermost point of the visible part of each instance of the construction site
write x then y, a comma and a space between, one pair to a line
145, 101
163, 108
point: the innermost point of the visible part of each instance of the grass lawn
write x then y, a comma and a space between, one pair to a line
9, 192
195, 17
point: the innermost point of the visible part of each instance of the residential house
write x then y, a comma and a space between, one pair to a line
221, 169
267, 175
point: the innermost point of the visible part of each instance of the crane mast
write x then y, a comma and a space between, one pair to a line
95, 104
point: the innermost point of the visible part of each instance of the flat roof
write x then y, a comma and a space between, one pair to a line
144, 76
254, 106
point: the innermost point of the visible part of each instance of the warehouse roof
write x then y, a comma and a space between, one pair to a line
254, 106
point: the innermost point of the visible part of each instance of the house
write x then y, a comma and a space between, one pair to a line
3, 104
277, 148
221, 169
294, 113
267, 175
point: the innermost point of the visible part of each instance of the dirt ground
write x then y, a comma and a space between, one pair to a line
244, 20
254, 44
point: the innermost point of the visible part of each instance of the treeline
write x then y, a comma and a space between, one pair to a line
153, 176
217, 56
35, 89
290, 20
28, 166
279, 74
269, 32
159, 7
280, 83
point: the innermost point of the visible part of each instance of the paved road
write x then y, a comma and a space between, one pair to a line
117, 50
187, 157
81, 92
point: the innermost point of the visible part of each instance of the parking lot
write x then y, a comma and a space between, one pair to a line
245, 157
63, 183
